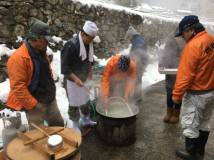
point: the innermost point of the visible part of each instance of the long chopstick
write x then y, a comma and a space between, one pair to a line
88, 90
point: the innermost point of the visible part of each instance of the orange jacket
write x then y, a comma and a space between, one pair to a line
20, 71
196, 68
112, 73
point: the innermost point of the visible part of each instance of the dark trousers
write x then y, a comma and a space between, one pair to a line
74, 113
170, 103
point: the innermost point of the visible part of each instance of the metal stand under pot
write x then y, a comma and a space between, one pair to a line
117, 125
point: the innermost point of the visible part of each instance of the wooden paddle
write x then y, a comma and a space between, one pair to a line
88, 90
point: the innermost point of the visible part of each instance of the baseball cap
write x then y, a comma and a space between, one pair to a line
186, 22
39, 28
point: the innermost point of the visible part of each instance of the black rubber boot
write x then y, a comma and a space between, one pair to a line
191, 148
203, 137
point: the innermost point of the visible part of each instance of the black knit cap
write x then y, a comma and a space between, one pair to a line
123, 63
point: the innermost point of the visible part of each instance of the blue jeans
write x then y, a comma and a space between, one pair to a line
170, 103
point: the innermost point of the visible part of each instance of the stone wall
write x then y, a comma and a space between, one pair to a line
65, 18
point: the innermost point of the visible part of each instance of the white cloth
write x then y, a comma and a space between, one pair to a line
83, 50
77, 96
196, 113
90, 28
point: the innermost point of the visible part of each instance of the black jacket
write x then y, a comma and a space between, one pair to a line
71, 62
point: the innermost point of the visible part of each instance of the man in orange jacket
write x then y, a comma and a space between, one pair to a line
119, 78
195, 83
31, 80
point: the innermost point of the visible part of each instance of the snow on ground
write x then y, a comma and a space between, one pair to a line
152, 76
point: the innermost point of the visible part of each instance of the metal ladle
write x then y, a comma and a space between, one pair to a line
54, 143
125, 103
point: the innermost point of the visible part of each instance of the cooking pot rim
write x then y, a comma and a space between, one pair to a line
117, 117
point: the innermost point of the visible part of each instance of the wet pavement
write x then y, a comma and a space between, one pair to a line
156, 139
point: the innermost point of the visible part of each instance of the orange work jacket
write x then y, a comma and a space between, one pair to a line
112, 73
196, 68
20, 71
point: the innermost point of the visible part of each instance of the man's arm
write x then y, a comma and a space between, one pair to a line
105, 81
186, 72
68, 54
76, 80
18, 71
67, 58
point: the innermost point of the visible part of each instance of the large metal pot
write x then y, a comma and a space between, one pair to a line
118, 126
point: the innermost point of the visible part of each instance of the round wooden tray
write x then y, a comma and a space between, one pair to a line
16, 149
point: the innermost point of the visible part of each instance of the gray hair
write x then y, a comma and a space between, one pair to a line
195, 26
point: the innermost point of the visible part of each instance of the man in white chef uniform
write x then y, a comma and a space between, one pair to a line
76, 61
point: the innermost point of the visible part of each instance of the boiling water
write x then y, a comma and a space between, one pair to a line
117, 108
117, 111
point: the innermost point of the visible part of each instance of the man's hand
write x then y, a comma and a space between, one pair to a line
176, 101
90, 77
160, 68
77, 80
126, 98
105, 102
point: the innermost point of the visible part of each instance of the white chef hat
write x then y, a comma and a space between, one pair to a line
90, 28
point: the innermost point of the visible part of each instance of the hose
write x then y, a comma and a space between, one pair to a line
93, 107
45, 122
98, 65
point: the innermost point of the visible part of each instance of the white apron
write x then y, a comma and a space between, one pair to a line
77, 96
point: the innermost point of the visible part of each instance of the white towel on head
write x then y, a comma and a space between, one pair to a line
83, 50
90, 28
